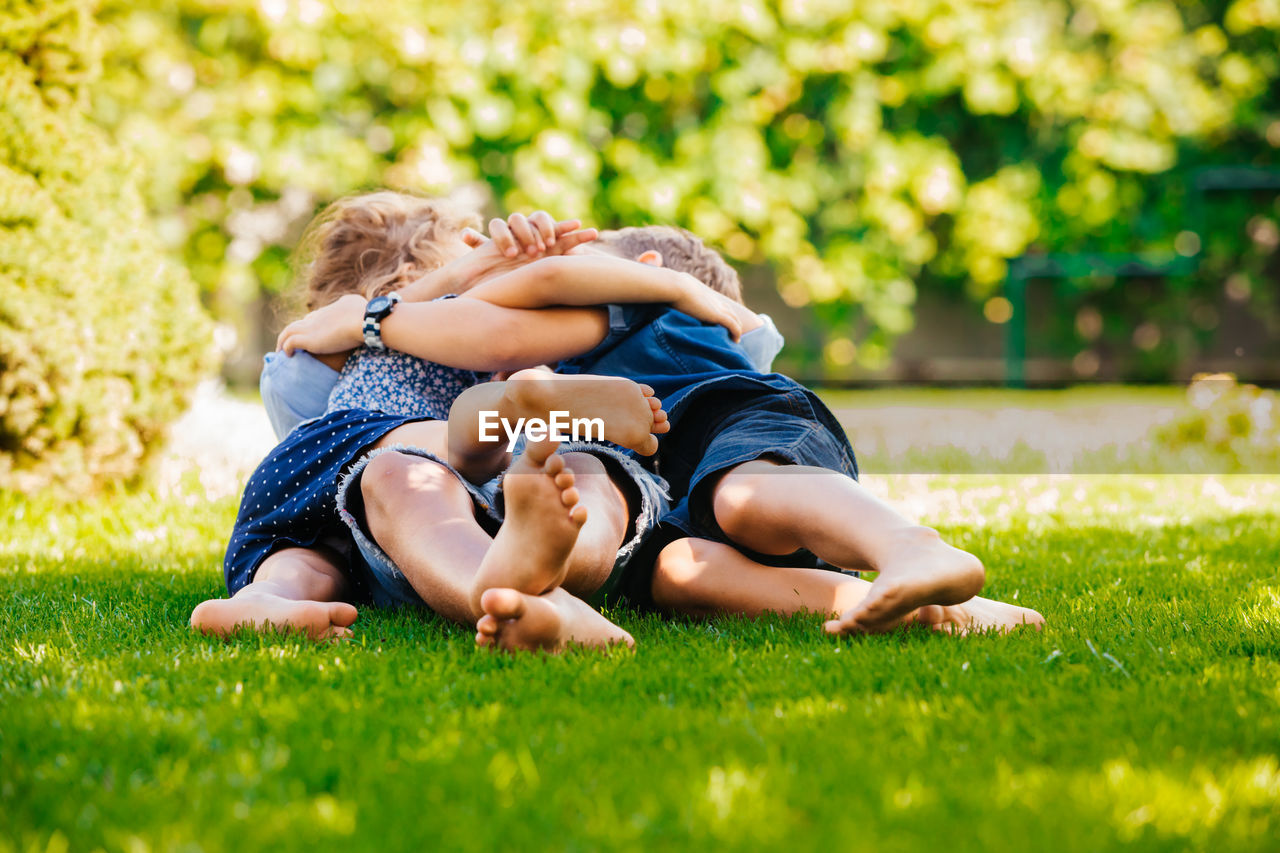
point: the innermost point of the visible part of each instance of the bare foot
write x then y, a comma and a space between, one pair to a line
542, 522
514, 621
978, 615
629, 413
925, 571
262, 611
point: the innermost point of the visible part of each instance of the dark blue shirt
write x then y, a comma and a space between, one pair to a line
683, 359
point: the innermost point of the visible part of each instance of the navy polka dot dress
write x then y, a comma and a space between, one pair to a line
290, 499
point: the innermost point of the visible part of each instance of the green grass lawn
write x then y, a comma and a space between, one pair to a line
1144, 716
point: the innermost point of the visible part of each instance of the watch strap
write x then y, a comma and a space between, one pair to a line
373, 322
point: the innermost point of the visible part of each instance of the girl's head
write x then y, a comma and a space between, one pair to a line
373, 243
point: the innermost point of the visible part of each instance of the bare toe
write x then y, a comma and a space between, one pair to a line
500, 604
342, 614
540, 452
554, 466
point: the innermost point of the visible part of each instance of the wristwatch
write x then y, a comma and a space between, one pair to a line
375, 312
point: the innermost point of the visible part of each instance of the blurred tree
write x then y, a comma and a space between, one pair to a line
862, 150
101, 334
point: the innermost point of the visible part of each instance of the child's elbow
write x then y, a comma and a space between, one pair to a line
544, 276
505, 347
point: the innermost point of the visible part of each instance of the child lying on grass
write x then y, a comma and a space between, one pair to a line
516, 616
764, 483
292, 560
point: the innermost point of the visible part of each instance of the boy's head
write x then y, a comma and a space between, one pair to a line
676, 249
373, 243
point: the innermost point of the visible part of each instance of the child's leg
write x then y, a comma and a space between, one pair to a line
478, 460
700, 578
294, 588
777, 509
422, 517
420, 521
609, 517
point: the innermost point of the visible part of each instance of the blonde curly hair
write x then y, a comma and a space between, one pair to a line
373, 243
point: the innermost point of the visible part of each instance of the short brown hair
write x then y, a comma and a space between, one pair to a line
681, 250
372, 243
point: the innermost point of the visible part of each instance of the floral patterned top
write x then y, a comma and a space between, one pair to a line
385, 380
399, 384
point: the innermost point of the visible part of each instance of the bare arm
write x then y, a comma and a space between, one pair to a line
501, 255
469, 334
593, 279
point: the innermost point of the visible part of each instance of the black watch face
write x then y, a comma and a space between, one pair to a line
378, 304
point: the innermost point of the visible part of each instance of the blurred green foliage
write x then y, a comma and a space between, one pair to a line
862, 150
1232, 426
101, 331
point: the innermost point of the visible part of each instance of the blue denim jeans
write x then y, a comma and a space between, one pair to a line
729, 431
388, 587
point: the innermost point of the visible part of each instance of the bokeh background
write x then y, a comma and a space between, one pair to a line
876, 170
1077, 196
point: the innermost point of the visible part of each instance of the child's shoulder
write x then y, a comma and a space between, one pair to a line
650, 340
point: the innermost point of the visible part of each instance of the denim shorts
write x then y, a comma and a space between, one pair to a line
725, 430
388, 587
648, 499
646, 493
785, 427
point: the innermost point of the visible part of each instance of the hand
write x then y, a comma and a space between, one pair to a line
507, 251
532, 236
702, 303
337, 327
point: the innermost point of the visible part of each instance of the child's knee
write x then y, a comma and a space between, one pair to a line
758, 504
676, 573
735, 500
385, 472
390, 478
